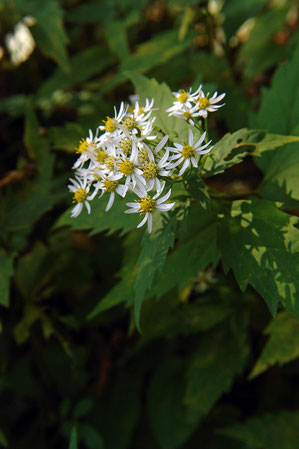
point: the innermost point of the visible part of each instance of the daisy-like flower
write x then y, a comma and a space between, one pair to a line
184, 99
205, 104
112, 187
128, 167
86, 148
110, 124
186, 153
146, 204
80, 188
153, 169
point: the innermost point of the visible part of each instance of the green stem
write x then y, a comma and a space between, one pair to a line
206, 129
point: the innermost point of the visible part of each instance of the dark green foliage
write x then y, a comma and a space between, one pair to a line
113, 338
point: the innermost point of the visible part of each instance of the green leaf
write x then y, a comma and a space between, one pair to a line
161, 48
99, 220
232, 149
92, 12
168, 415
36, 196
155, 247
49, 31
83, 66
271, 431
29, 271
6, 271
218, 359
192, 248
170, 317
91, 437
117, 39
199, 190
279, 113
260, 243
66, 137
118, 414
282, 345
73, 439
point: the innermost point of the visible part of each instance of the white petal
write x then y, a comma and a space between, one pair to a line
190, 140
161, 144
184, 167
198, 143
87, 205
150, 223
110, 202
165, 207
164, 198
143, 221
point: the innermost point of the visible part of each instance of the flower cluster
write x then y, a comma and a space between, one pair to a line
189, 106
125, 154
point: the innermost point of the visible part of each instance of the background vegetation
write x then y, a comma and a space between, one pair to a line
212, 368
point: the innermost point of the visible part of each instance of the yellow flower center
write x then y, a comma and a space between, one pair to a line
101, 156
143, 156
187, 115
110, 186
109, 124
203, 102
126, 167
126, 146
80, 195
130, 123
183, 97
110, 162
147, 204
151, 170
83, 146
187, 151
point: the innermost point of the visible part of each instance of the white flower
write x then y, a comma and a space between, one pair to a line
110, 124
111, 186
80, 188
154, 168
184, 98
20, 43
205, 104
186, 153
147, 204
128, 167
86, 148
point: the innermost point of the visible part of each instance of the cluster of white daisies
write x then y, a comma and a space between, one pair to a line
125, 155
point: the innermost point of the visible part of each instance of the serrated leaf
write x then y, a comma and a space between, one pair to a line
158, 50
99, 220
232, 149
279, 113
6, 271
155, 247
218, 359
49, 31
260, 243
271, 431
167, 412
193, 249
282, 345
198, 190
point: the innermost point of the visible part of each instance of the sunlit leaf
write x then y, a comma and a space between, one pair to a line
260, 243
282, 345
